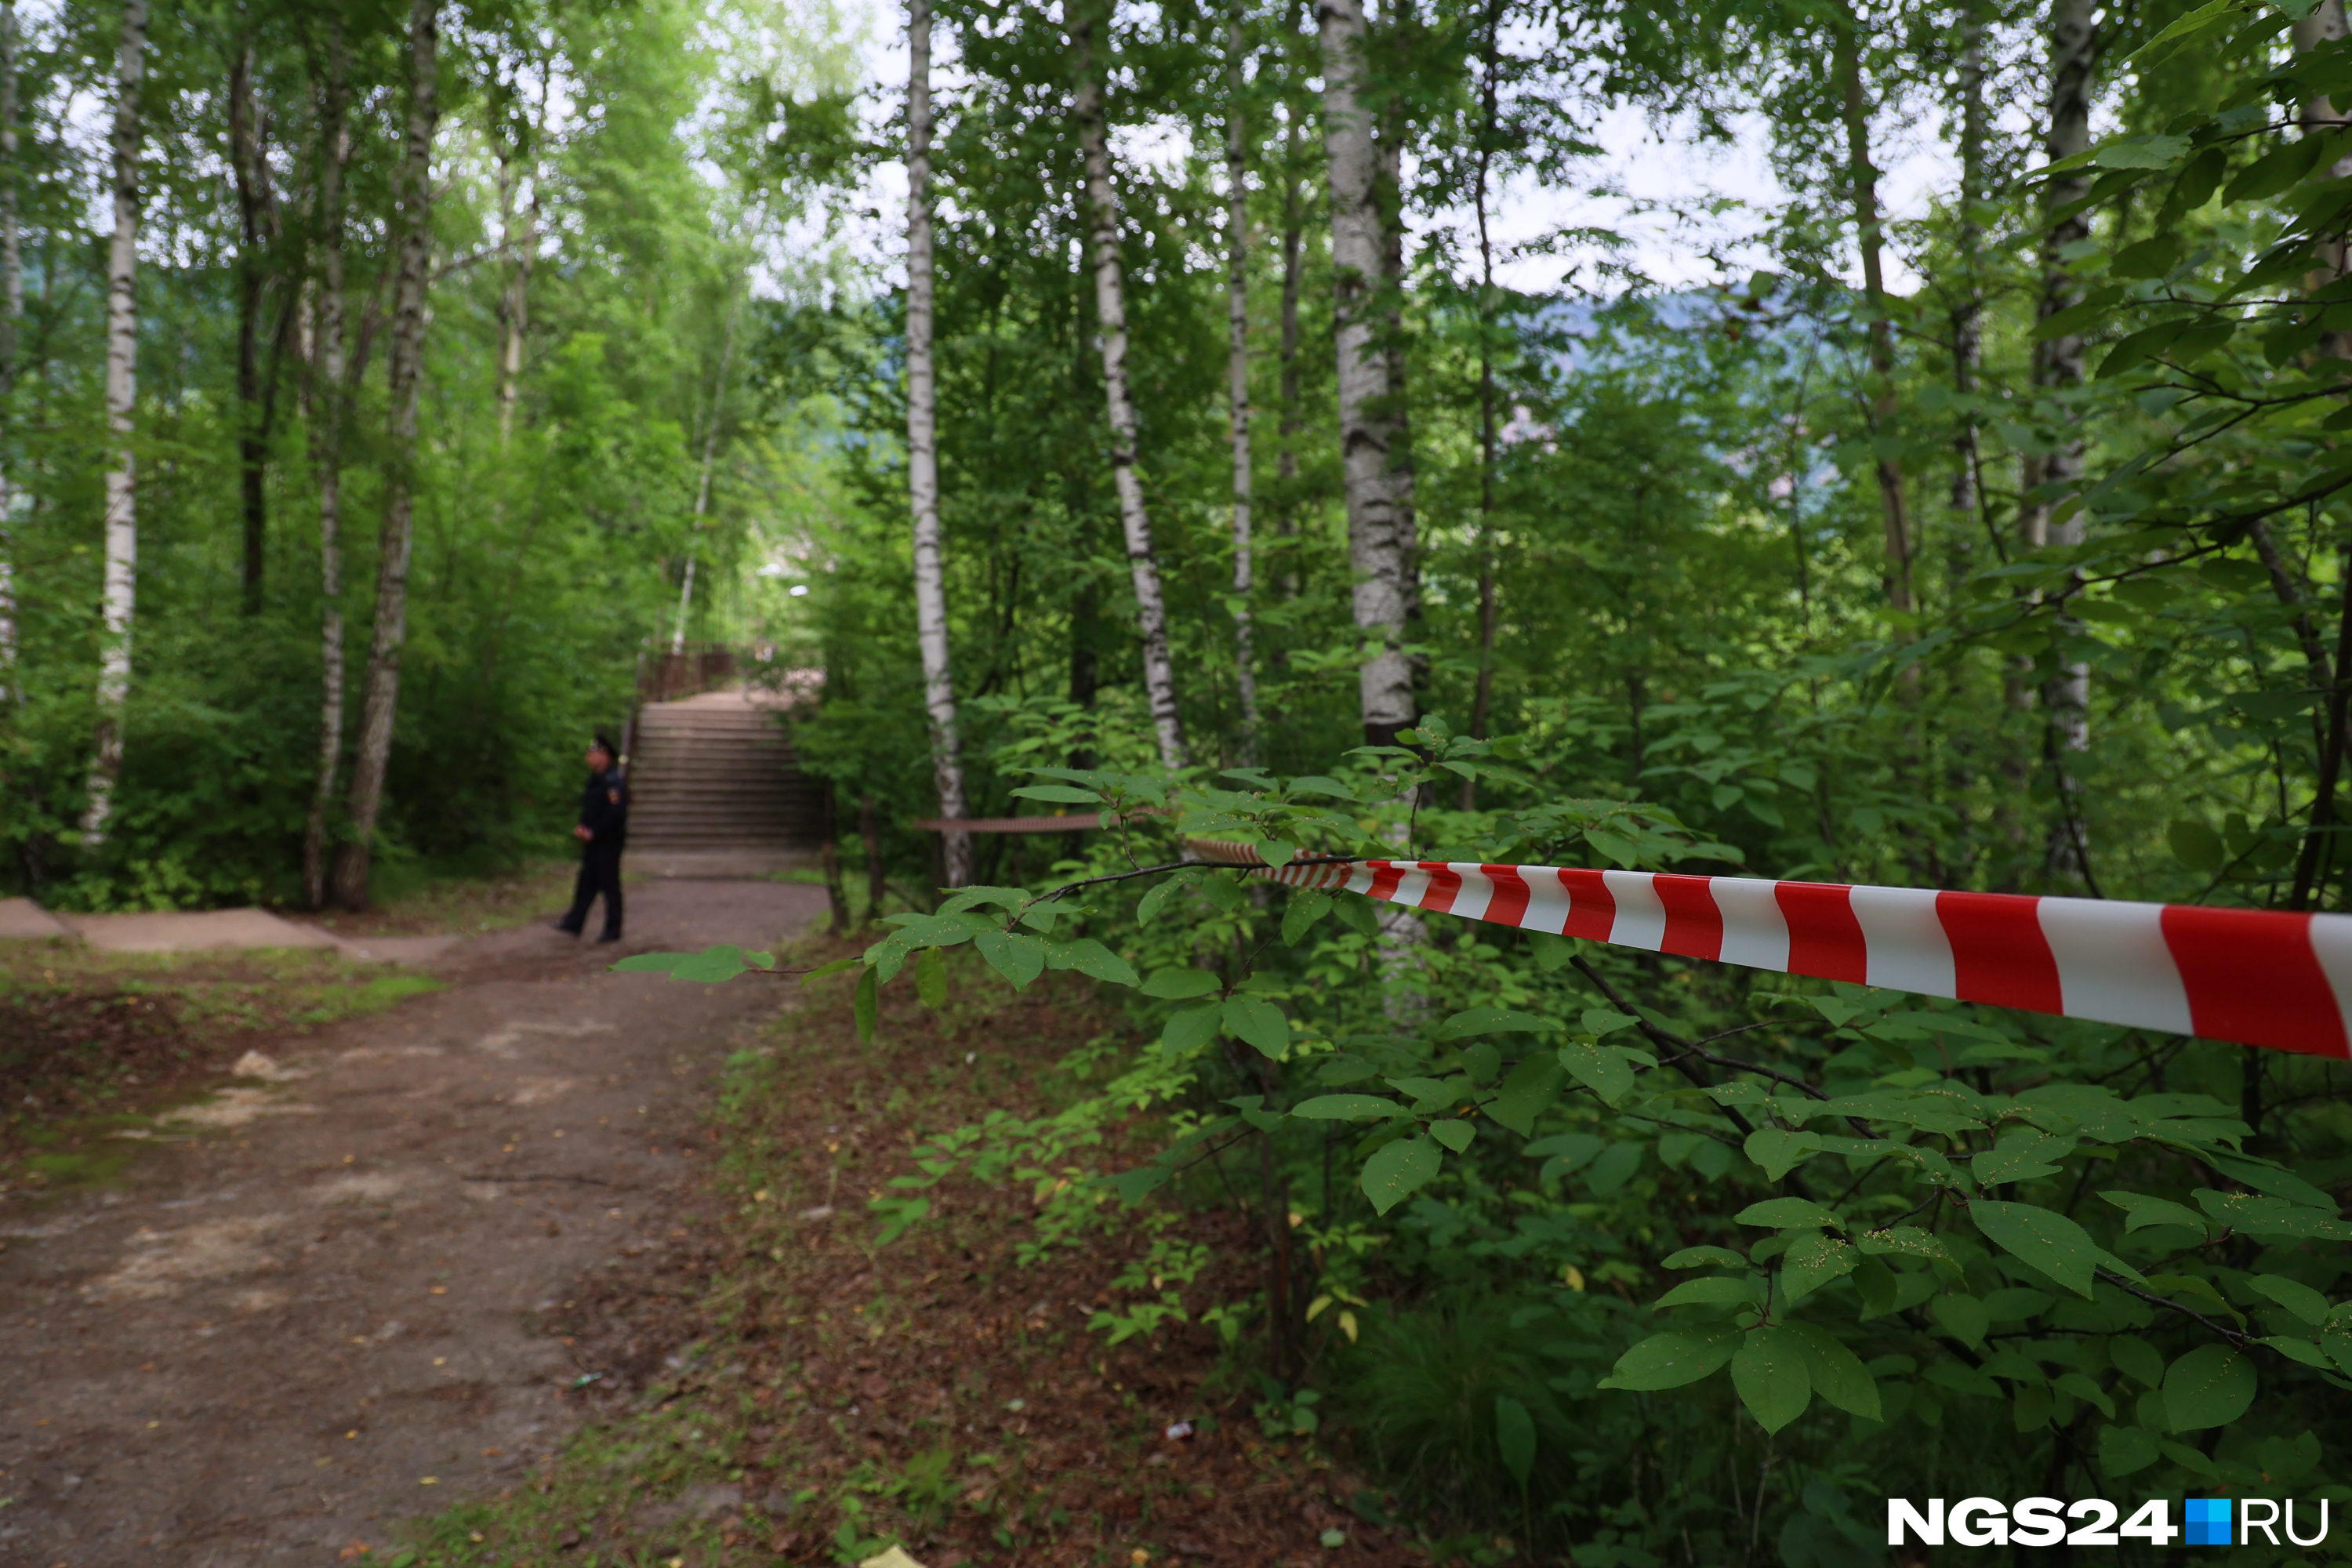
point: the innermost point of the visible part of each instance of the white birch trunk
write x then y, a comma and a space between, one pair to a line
702, 487
521, 249
121, 390
1237, 383
1861, 174
1378, 549
328, 413
1110, 310
12, 310
380, 699
2057, 369
923, 452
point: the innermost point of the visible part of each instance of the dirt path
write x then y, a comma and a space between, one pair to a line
318, 1314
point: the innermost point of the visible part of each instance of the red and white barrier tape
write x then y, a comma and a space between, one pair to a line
2252, 977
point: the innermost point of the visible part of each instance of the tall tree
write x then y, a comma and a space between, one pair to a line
380, 700
518, 163
1379, 545
1968, 300
257, 224
2057, 370
1861, 185
328, 412
1482, 698
923, 451
1111, 314
12, 313
121, 591
1237, 399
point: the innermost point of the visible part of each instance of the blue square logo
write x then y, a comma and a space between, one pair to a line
2208, 1521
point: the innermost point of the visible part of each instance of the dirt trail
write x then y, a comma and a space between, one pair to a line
319, 1315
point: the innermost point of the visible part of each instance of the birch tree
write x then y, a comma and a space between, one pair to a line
12, 311
1237, 397
328, 412
1482, 699
381, 698
257, 225
122, 389
2057, 371
1111, 311
923, 451
519, 153
1379, 543
1862, 181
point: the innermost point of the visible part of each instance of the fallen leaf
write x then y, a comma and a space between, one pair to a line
428, 1480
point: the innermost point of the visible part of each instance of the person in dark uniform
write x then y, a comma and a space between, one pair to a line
603, 833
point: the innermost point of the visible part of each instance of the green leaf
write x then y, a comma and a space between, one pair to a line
931, 978
2259, 1214
1492, 1021
1091, 958
2211, 15
1605, 1070
1771, 1371
1812, 1261
1837, 1374
1346, 1107
2293, 1294
1182, 984
1781, 1214
2024, 1154
1148, 907
1532, 1086
1964, 1318
1515, 1436
1189, 1028
1020, 959
1551, 952
2042, 1237
1304, 910
2197, 846
1711, 1290
1778, 1151
865, 1003
712, 966
2212, 1386
1606, 1020
1059, 794
2145, 151
1614, 1169
1396, 1169
1902, 1240
656, 963
1672, 1360
2123, 1450
1701, 1258
1455, 1134
2136, 1358
2142, 1211
1258, 1022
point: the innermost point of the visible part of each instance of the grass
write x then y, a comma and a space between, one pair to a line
805, 1392
423, 902
92, 1043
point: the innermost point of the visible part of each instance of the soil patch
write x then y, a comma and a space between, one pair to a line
773, 1380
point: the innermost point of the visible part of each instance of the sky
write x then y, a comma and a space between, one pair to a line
1653, 185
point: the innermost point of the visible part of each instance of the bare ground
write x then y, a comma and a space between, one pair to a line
323, 1301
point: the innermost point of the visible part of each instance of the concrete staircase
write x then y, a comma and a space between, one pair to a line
715, 791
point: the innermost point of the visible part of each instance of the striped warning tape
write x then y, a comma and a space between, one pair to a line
2253, 977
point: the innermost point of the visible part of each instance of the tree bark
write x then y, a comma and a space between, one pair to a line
1968, 309
1238, 381
520, 250
1294, 238
12, 311
1483, 697
1379, 536
119, 604
1110, 313
1862, 180
328, 412
250, 174
2058, 370
380, 699
923, 457
702, 486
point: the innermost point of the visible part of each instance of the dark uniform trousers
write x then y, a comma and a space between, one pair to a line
604, 812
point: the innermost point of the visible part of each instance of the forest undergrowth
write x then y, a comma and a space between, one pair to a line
786, 1379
